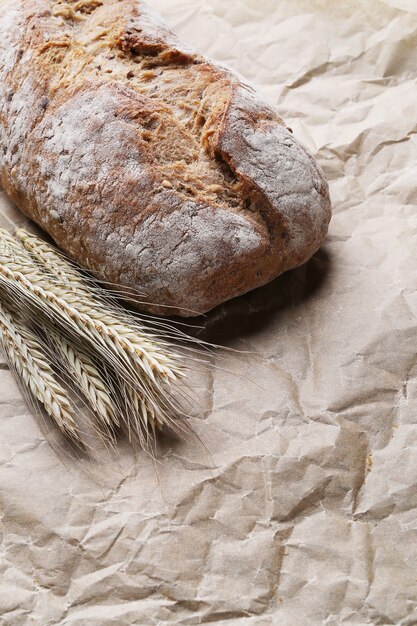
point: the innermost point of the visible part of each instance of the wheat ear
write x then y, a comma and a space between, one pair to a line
92, 297
54, 263
26, 355
144, 348
138, 357
87, 378
137, 417
114, 334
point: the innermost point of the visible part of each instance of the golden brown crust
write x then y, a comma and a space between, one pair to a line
150, 165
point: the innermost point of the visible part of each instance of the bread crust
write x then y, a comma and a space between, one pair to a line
150, 165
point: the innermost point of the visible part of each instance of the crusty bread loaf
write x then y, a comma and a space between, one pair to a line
148, 164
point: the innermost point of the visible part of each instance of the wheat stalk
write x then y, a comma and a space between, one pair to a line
26, 355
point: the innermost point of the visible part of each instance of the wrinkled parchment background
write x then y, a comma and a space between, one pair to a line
305, 512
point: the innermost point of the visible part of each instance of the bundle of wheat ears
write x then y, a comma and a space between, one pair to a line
66, 338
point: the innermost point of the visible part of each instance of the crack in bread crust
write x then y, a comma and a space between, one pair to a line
150, 165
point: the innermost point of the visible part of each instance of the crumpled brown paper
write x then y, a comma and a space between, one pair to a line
303, 510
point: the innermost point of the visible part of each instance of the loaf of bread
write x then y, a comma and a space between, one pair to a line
150, 165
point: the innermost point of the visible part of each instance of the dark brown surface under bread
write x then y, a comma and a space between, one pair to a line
148, 164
